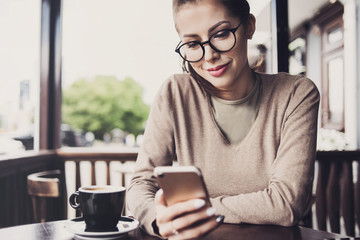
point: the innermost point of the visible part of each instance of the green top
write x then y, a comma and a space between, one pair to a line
229, 115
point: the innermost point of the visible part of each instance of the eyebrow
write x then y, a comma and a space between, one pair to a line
210, 29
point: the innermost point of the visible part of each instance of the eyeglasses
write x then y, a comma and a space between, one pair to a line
221, 41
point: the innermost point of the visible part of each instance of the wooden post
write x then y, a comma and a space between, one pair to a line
50, 76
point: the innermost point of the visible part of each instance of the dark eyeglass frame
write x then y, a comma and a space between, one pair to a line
232, 30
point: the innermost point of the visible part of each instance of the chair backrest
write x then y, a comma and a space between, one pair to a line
338, 192
48, 194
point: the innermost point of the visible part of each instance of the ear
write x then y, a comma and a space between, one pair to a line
250, 26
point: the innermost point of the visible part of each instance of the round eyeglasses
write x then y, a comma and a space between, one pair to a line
221, 41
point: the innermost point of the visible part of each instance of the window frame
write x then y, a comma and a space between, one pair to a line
332, 19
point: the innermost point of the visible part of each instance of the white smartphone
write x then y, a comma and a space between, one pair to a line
181, 183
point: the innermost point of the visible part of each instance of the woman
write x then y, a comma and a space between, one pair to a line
252, 135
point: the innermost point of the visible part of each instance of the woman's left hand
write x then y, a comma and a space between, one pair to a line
184, 220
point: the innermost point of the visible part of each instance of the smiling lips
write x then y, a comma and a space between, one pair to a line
217, 71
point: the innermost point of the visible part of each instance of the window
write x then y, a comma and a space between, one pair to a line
333, 75
113, 43
19, 74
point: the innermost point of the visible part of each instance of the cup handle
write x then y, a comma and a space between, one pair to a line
73, 200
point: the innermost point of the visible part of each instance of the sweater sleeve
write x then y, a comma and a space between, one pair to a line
157, 149
284, 200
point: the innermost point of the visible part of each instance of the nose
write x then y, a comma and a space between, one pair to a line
210, 53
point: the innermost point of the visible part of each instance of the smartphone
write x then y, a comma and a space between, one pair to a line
181, 183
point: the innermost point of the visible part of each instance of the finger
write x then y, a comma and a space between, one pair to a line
165, 216
167, 229
159, 197
180, 208
187, 221
198, 230
160, 209
191, 218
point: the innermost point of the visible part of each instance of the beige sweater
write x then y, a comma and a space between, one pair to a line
266, 179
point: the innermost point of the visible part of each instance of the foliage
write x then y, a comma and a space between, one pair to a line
103, 104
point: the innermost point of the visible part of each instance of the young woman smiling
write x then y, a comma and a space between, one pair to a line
252, 135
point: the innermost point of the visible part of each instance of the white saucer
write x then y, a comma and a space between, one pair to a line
77, 237
77, 226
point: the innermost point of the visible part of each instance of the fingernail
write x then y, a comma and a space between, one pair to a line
199, 203
220, 219
210, 211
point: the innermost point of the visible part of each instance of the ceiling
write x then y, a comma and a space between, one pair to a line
299, 10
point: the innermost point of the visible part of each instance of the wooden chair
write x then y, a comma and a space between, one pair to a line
337, 192
48, 194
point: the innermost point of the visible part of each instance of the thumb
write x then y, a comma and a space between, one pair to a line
160, 198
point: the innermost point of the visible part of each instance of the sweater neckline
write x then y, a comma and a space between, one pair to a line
241, 100
253, 126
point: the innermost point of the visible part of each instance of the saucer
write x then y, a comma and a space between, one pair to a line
78, 237
77, 226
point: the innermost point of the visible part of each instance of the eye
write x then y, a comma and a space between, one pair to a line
221, 34
192, 45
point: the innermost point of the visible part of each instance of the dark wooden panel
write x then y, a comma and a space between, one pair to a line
320, 201
333, 197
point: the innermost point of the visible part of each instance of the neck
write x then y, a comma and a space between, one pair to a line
241, 88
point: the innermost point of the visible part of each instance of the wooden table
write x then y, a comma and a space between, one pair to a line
57, 231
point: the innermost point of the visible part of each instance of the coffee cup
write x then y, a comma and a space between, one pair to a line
101, 206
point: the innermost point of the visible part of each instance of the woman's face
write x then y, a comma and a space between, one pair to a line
197, 22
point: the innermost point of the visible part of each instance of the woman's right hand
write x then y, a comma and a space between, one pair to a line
178, 221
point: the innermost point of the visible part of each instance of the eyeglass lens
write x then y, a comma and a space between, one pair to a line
221, 41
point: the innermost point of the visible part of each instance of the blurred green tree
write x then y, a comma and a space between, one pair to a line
103, 104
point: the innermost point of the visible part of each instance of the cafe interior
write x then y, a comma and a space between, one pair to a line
317, 38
